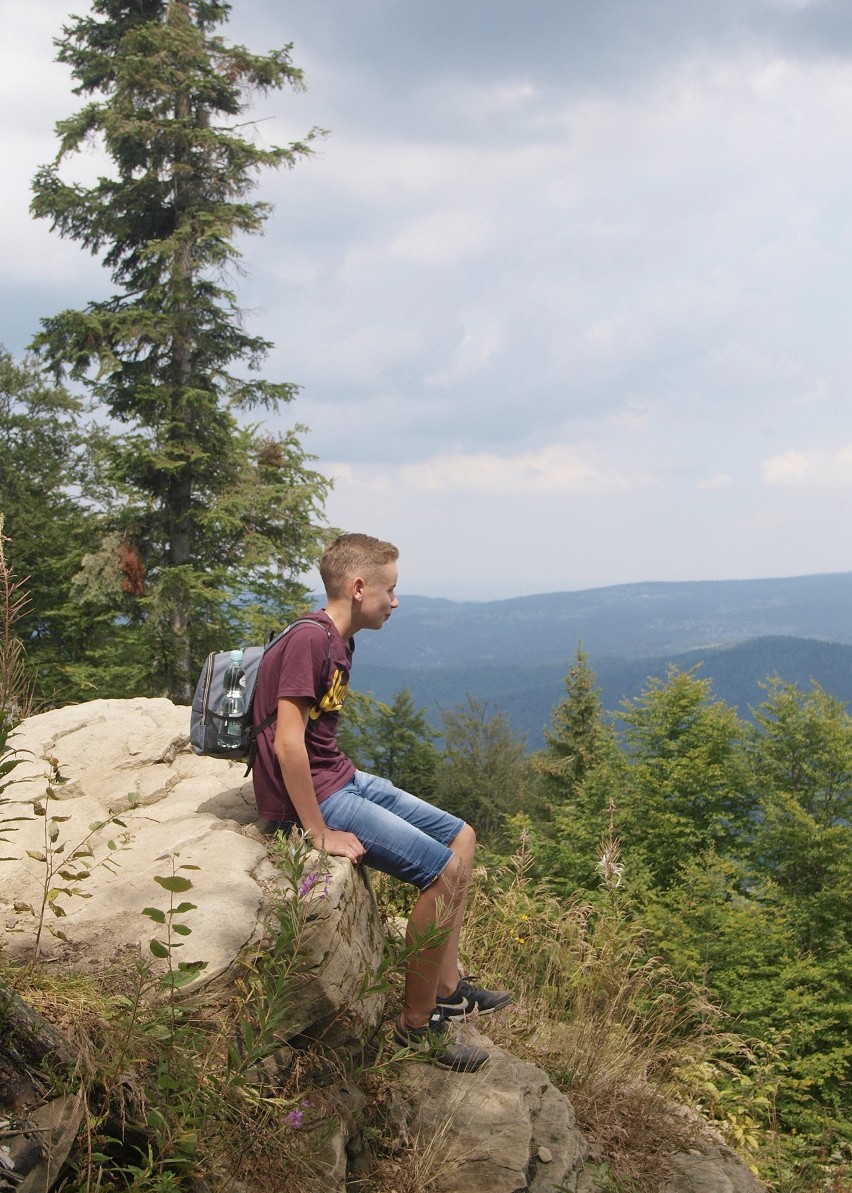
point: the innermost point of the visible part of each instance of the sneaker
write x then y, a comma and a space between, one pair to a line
431, 1040
467, 998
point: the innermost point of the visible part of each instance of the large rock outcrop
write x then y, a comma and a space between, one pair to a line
505, 1130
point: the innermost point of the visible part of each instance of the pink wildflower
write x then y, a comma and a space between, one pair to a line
307, 884
294, 1119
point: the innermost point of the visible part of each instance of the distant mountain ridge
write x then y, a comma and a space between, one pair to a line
515, 653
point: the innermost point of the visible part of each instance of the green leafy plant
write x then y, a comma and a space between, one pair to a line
269, 981
606, 1180
15, 686
9, 760
175, 931
73, 865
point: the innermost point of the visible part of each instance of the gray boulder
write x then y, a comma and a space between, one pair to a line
716, 1169
503, 1129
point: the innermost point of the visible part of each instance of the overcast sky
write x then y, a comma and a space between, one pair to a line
567, 287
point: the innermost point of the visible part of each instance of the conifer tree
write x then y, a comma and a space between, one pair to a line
484, 770
392, 740
577, 778
220, 520
800, 763
684, 791
45, 500
578, 737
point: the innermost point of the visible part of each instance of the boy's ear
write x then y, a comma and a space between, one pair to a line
357, 588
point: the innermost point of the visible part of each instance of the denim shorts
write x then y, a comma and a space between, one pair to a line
403, 835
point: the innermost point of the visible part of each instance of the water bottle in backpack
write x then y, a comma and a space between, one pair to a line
233, 704
220, 724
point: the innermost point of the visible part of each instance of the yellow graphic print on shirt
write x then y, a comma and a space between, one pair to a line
334, 698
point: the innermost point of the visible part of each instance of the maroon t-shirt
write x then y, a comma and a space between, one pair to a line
294, 667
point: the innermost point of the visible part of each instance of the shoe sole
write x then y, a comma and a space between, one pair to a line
449, 1067
436, 1059
451, 1013
431, 1050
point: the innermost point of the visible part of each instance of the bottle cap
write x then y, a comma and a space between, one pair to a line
236, 656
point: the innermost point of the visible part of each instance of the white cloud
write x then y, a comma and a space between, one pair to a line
555, 470
634, 418
441, 238
473, 352
814, 468
719, 480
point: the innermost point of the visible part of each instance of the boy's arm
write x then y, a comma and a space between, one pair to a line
292, 757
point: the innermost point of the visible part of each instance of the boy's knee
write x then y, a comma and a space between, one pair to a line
454, 877
465, 840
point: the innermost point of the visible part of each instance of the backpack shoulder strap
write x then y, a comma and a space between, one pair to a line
256, 730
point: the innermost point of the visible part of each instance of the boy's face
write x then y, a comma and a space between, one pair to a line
377, 597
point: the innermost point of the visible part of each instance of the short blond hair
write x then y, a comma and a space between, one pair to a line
351, 554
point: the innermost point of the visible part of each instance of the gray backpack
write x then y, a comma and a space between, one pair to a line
222, 707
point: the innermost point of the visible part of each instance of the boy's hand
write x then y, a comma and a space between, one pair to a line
339, 844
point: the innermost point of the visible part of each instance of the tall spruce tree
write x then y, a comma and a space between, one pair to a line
684, 790
40, 445
484, 770
577, 778
218, 520
800, 769
578, 737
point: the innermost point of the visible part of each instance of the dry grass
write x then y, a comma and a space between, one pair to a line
165, 1089
612, 1026
423, 1153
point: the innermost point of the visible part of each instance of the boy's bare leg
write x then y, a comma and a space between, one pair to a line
442, 904
448, 978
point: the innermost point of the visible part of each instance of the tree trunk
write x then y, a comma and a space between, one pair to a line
26, 1038
36, 1129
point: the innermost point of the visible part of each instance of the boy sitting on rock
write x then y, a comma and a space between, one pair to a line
302, 777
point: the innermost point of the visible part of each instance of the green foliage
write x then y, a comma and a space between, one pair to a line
391, 740
578, 777
271, 978
800, 760
215, 520
578, 738
67, 867
612, 1026
736, 864
722, 938
684, 792
181, 973
45, 485
484, 771
606, 1180
176, 1085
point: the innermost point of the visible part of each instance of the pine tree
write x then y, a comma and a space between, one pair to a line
684, 791
45, 500
800, 762
576, 781
391, 740
484, 770
216, 516
577, 738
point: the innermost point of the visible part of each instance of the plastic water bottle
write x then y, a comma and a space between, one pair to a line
233, 704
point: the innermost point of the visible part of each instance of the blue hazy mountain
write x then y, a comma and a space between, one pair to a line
514, 654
